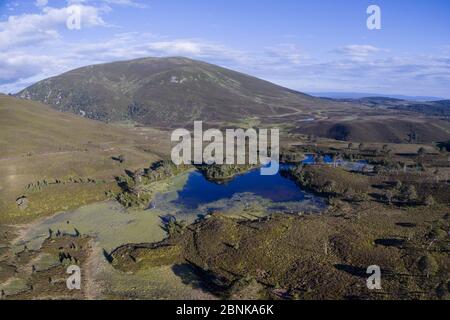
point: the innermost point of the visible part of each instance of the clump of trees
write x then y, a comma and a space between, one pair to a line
222, 172
291, 156
386, 165
407, 194
174, 227
421, 151
136, 186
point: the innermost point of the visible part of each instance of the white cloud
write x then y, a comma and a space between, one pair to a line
127, 3
359, 51
20, 68
178, 47
135, 45
130, 3
32, 47
41, 3
285, 64
285, 54
33, 28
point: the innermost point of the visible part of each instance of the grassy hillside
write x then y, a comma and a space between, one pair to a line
58, 160
381, 129
29, 127
438, 108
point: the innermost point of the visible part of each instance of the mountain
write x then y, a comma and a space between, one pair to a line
173, 92
168, 92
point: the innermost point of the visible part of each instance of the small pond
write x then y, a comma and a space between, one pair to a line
248, 191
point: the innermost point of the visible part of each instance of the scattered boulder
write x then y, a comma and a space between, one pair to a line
22, 202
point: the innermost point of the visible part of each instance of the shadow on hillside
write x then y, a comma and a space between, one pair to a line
390, 242
354, 271
198, 278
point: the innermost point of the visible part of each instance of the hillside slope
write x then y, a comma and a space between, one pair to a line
381, 129
31, 127
68, 160
168, 92
436, 108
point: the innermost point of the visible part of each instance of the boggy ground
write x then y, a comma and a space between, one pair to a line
41, 274
374, 218
398, 219
310, 257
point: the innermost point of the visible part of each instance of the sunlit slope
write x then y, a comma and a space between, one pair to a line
31, 127
169, 92
406, 129
61, 161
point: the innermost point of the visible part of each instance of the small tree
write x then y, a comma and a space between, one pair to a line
362, 197
429, 200
442, 291
428, 265
436, 174
409, 193
349, 194
421, 151
389, 196
330, 186
361, 147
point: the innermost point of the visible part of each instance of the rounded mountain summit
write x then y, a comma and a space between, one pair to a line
168, 92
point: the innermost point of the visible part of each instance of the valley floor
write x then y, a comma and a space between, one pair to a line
133, 254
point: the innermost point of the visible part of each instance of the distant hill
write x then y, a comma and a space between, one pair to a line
437, 108
359, 95
380, 129
168, 92
432, 108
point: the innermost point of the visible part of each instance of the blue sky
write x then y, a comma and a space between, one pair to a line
311, 46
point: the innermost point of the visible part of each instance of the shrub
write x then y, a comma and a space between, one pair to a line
349, 193
428, 265
329, 186
421, 151
389, 196
442, 291
409, 193
174, 227
429, 201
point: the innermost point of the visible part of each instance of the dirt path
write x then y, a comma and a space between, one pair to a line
93, 290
